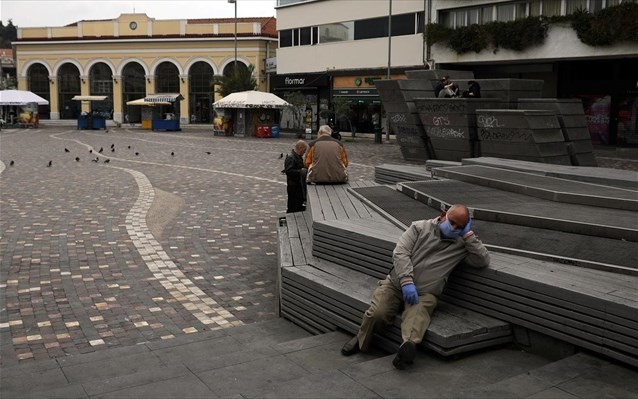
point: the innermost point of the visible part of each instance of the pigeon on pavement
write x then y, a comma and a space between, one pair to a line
66, 150
77, 159
50, 163
11, 163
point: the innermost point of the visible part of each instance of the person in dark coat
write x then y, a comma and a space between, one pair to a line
296, 177
473, 90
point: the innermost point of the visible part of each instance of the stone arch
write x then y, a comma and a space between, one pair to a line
59, 64
25, 69
230, 60
180, 70
124, 63
103, 61
201, 59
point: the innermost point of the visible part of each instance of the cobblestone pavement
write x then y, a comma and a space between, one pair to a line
148, 246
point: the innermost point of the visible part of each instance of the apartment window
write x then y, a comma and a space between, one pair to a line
595, 5
371, 28
506, 12
420, 22
551, 8
336, 32
285, 38
574, 5
459, 18
315, 35
295, 37
402, 25
486, 14
305, 38
473, 16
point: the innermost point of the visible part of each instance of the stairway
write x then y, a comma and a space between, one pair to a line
276, 359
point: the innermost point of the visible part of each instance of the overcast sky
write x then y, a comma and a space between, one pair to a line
25, 13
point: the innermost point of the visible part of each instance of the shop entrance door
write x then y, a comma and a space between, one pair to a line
201, 109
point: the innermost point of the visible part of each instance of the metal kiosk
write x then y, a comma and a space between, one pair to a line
91, 120
168, 118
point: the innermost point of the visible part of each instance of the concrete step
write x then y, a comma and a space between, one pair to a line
545, 187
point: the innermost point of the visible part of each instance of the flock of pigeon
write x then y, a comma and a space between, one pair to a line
97, 159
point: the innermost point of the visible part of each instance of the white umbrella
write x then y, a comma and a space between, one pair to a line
251, 99
20, 97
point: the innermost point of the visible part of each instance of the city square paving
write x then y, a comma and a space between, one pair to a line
175, 234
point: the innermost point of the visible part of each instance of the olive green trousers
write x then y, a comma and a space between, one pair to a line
387, 301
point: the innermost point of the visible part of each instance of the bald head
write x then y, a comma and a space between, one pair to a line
458, 215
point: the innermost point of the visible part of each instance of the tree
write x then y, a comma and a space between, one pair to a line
8, 34
240, 79
343, 111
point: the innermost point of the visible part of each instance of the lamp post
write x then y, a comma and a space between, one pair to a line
387, 120
235, 3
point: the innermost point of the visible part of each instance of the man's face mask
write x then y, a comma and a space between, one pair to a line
447, 231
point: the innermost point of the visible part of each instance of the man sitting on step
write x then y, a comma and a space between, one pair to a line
424, 257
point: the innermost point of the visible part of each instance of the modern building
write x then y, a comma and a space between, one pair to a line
134, 55
346, 41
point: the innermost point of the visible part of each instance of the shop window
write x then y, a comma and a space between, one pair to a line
473, 16
285, 38
535, 8
551, 8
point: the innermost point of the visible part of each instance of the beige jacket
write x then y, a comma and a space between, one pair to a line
422, 257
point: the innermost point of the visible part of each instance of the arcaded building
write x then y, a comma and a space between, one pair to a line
134, 55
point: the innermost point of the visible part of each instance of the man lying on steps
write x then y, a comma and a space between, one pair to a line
424, 257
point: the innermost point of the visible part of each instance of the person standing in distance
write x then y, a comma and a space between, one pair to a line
296, 177
423, 258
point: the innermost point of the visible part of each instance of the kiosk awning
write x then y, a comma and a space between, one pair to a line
89, 98
141, 101
163, 98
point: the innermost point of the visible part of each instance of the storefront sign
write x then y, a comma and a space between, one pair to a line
355, 92
271, 65
300, 81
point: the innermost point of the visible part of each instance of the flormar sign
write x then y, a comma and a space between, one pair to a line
294, 81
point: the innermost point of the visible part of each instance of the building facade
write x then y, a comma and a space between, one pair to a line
348, 41
132, 56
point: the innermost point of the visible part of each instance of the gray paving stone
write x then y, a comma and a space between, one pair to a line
74, 391
552, 393
241, 378
109, 368
329, 384
18, 380
302, 344
186, 386
143, 377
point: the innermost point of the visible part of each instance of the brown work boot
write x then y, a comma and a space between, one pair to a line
351, 347
405, 356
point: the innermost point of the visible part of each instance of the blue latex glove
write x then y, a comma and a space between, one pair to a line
409, 294
467, 228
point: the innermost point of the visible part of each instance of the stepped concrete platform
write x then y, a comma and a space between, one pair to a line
568, 248
605, 176
391, 174
549, 188
513, 208
331, 287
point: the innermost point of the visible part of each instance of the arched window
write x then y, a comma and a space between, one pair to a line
167, 78
200, 77
229, 68
133, 88
100, 78
68, 87
38, 83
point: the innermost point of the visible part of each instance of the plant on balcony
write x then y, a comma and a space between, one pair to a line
608, 26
